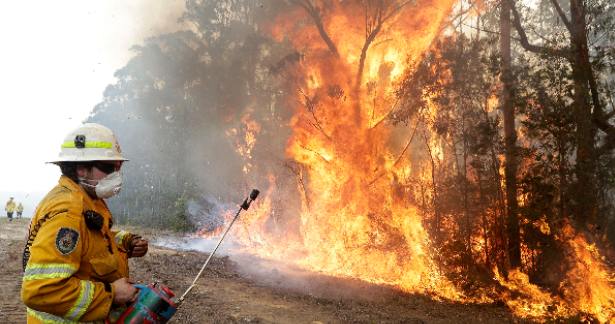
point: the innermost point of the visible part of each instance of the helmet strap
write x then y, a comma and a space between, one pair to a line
89, 188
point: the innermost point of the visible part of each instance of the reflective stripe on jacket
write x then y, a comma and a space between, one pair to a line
69, 263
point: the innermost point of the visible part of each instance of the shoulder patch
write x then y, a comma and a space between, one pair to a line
66, 240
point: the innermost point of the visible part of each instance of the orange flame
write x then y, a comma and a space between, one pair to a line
245, 144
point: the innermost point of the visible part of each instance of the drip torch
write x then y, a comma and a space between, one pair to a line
155, 302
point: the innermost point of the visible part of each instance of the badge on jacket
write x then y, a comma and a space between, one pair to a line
66, 240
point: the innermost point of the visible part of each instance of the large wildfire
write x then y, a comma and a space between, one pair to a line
354, 219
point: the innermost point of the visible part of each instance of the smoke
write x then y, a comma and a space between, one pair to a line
296, 280
280, 275
127, 23
193, 243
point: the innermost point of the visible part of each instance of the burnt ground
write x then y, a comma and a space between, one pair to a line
226, 293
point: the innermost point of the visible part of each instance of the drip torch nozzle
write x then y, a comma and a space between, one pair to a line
250, 199
245, 205
254, 194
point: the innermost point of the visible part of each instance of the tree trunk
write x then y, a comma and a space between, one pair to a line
483, 212
510, 139
499, 241
563, 182
585, 189
434, 187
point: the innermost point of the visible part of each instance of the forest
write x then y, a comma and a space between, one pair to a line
462, 150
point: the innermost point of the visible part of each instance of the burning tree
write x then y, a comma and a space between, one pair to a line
354, 196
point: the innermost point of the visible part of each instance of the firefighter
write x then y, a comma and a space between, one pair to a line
75, 266
19, 210
10, 208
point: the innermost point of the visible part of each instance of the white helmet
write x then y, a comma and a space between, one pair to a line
90, 142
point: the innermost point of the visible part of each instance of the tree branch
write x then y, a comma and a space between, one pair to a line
309, 7
396, 9
296, 168
487, 31
313, 151
416, 125
310, 104
383, 118
401, 155
562, 15
450, 22
523, 40
545, 39
371, 31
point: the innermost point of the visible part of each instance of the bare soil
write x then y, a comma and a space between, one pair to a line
228, 293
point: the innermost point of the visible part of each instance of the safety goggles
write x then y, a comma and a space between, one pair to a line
106, 167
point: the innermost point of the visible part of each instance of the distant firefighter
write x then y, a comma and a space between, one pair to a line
10, 208
19, 210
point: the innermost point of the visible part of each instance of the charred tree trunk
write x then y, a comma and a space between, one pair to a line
510, 140
586, 160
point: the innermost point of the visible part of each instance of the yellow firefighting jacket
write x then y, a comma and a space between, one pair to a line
10, 206
19, 208
70, 264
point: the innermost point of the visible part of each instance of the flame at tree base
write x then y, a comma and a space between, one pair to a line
587, 292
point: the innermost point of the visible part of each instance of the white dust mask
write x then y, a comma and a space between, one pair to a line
108, 186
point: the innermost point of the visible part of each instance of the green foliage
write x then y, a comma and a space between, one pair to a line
180, 221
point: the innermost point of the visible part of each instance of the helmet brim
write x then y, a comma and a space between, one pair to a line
87, 160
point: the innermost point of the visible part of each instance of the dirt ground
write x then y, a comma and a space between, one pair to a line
227, 293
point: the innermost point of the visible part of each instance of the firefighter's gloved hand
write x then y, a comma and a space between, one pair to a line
124, 292
138, 247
